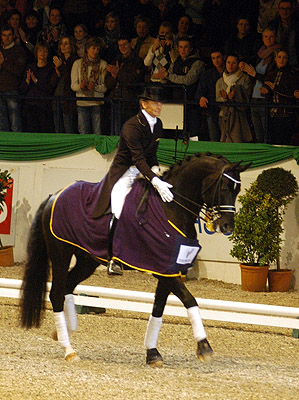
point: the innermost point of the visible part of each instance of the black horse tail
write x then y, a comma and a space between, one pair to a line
36, 274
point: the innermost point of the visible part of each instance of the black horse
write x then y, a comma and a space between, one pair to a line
201, 183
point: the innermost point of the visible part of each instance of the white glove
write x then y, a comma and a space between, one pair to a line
156, 170
163, 189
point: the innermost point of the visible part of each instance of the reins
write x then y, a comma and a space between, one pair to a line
211, 213
189, 200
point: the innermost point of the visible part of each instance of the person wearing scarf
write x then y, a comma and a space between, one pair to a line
280, 88
87, 80
143, 41
53, 31
234, 86
265, 64
81, 36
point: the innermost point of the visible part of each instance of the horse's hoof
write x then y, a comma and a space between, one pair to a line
204, 351
154, 358
114, 269
54, 335
71, 357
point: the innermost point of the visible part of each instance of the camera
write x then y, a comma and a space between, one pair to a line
162, 37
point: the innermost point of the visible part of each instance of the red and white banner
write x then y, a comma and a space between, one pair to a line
5, 215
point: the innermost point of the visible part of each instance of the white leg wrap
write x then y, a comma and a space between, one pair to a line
152, 332
61, 328
196, 323
70, 313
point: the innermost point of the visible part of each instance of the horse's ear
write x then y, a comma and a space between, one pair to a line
240, 168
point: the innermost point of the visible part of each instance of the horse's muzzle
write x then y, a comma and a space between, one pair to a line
225, 224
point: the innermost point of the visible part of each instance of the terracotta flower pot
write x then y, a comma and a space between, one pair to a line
6, 256
254, 278
279, 280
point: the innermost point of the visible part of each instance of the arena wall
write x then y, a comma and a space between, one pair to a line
34, 181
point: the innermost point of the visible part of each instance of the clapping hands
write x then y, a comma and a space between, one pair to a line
30, 76
161, 74
57, 61
264, 90
113, 69
85, 85
226, 96
249, 69
53, 36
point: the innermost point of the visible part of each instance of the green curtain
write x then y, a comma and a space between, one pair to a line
22, 146
256, 153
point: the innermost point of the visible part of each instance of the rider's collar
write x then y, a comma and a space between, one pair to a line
151, 120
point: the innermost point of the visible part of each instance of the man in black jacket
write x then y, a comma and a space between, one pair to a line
206, 92
286, 27
12, 66
185, 72
123, 78
137, 153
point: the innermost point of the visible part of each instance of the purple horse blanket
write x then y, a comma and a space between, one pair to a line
144, 239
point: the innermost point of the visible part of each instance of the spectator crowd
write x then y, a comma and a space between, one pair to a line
218, 55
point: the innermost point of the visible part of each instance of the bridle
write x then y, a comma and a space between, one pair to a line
214, 212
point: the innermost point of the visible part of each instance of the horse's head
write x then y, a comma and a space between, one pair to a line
219, 192
206, 185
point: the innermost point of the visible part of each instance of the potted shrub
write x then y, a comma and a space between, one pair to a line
259, 225
282, 186
6, 252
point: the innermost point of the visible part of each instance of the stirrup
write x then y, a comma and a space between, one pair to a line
114, 269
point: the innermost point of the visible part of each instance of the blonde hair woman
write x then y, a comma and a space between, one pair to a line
264, 65
38, 83
110, 37
87, 80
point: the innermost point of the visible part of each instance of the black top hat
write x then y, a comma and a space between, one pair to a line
153, 93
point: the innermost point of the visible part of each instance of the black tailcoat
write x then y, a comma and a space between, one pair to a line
137, 146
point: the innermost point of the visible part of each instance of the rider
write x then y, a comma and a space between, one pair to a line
136, 154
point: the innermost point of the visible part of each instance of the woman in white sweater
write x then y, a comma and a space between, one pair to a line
234, 86
87, 80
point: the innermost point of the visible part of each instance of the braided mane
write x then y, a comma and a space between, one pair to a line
182, 164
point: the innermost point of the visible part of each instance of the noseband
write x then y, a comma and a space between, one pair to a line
214, 212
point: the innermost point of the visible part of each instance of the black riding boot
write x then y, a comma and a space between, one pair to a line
112, 268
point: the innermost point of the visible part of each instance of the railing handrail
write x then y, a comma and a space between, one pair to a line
115, 102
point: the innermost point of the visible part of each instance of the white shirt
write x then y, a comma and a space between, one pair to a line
151, 120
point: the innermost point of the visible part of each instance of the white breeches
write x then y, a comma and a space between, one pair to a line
121, 188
